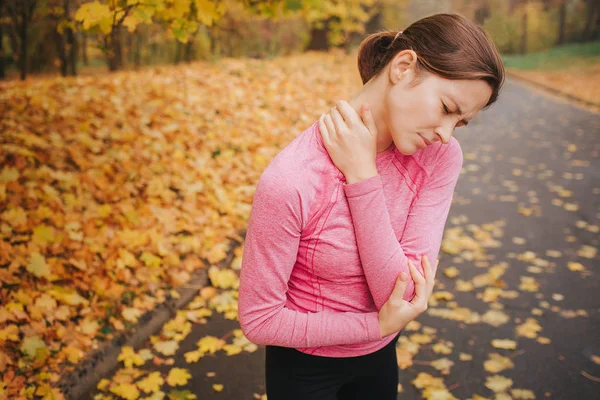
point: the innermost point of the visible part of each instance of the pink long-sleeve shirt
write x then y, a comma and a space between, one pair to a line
321, 257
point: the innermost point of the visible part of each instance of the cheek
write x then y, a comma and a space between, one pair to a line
397, 110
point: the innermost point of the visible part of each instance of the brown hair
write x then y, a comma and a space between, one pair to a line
448, 45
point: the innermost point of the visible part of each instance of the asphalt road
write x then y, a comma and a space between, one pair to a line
527, 153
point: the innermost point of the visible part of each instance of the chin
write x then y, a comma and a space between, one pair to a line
407, 149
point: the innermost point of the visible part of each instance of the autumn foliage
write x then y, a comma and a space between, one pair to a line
114, 189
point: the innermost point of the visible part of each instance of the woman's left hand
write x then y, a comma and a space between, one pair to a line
351, 141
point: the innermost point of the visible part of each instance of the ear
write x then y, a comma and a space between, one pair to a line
402, 66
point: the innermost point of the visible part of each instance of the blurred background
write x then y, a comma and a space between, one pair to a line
132, 136
537, 37
76, 36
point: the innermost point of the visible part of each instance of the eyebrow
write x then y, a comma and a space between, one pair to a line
459, 111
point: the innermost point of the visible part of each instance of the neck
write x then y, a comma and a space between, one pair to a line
372, 93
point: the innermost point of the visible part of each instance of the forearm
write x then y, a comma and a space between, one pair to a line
290, 328
381, 254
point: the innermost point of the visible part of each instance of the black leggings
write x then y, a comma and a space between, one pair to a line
293, 375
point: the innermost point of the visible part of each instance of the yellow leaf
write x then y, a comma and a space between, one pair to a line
495, 318
74, 354
232, 349
506, 344
130, 357
167, 348
43, 234
131, 314
587, 251
9, 174
37, 265
451, 272
11, 332
498, 383
575, 266
497, 363
193, 356
178, 376
442, 364
126, 390
67, 296
210, 344
151, 383
217, 387
529, 329
103, 384
31, 345
522, 394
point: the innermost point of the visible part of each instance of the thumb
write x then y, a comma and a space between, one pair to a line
367, 117
401, 284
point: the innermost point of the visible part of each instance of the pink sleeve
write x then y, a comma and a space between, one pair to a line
381, 255
269, 255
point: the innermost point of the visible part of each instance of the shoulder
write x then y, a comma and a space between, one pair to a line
439, 158
295, 175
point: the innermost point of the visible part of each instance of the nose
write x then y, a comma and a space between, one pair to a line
444, 133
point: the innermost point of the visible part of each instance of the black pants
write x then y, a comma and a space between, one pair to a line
293, 375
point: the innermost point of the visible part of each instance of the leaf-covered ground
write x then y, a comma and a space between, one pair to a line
581, 82
114, 189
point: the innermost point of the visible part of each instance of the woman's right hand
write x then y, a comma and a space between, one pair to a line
396, 313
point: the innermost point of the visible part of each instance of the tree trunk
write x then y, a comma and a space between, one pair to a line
189, 54
178, 52
60, 50
137, 48
2, 71
73, 51
23, 59
562, 18
523, 49
592, 9
113, 49
70, 42
318, 39
84, 55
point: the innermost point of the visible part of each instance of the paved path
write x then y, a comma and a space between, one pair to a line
521, 156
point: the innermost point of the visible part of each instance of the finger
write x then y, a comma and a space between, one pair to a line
323, 129
417, 275
348, 113
368, 120
401, 284
420, 285
428, 270
331, 131
338, 121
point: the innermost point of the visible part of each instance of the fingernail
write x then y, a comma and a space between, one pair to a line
403, 277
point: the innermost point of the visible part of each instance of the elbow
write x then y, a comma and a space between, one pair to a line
251, 330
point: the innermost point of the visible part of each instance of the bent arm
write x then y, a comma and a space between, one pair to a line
381, 255
270, 250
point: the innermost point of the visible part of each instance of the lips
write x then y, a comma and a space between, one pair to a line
427, 142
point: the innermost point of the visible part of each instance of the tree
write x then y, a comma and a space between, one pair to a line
109, 17
2, 72
63, 33
592, 22
21, 14
334, 22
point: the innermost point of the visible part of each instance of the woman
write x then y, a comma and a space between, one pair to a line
355, 205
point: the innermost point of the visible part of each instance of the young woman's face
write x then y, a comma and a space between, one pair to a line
429, 110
